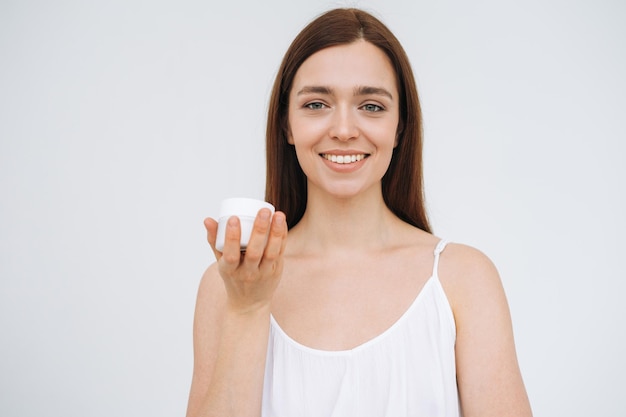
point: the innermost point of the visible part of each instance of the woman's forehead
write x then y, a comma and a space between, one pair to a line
347, 66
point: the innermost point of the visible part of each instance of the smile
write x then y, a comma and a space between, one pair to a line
344, 159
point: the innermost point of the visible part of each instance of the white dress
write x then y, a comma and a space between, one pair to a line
408, 370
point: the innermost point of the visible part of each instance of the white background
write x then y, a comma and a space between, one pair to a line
124, 123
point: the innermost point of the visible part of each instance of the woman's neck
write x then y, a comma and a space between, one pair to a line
330, 223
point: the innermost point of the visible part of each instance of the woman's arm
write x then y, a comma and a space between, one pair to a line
231, 324
488, 375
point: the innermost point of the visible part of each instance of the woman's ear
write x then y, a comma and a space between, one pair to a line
398, 134
289, 136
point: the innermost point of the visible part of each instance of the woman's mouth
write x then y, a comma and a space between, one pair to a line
344, 159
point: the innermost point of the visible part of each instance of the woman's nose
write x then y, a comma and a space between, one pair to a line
344, 126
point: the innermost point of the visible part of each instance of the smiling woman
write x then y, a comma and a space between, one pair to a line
357, 310
344, 108
285, 182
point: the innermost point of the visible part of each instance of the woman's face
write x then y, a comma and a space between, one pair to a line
343, 118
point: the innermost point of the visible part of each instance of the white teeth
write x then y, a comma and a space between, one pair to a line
343, 159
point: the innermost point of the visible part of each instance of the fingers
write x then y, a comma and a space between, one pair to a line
266, 245
231, 238
258, 238
276, 240
211, 232
231, 254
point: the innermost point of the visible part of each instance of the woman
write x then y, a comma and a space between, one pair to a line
359, 310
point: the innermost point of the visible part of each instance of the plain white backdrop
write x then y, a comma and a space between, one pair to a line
124, 123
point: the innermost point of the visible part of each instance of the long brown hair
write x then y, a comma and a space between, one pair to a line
402, 184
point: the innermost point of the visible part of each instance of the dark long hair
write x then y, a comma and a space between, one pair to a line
402, 184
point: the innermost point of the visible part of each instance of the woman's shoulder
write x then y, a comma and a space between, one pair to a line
468, 276
459, 258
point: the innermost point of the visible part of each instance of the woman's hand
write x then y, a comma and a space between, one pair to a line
251, 277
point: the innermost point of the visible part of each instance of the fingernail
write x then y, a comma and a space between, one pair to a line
264, 214
232, 221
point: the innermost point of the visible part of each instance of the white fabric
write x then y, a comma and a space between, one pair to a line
408, 370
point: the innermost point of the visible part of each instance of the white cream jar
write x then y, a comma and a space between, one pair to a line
244, 208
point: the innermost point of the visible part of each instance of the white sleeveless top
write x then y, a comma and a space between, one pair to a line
408, 370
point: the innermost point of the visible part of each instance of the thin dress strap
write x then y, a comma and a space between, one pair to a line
438, 249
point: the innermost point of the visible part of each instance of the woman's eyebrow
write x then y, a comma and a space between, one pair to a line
315, 90
367, 90
358, 91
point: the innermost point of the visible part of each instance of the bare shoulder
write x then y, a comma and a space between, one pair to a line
468, 276
459, 260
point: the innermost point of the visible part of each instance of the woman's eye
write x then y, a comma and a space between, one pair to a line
314, 106
372, 107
